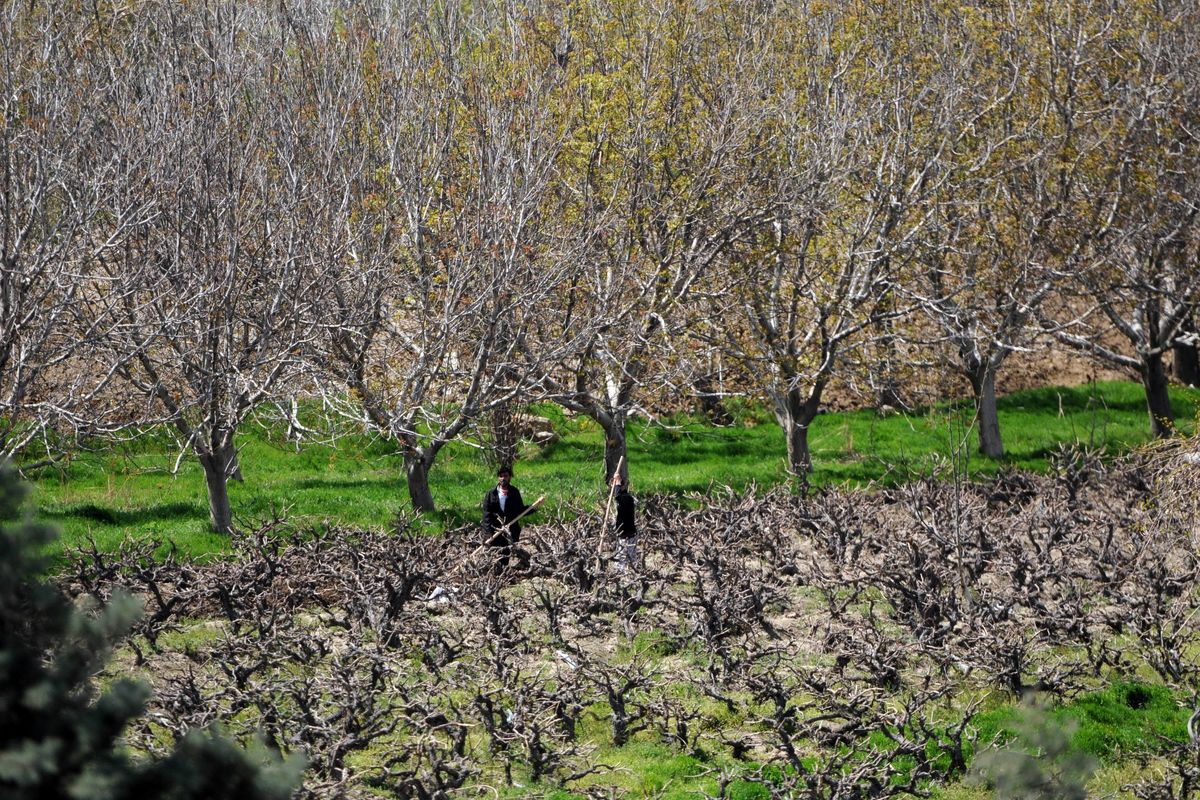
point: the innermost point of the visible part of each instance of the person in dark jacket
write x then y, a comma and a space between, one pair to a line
503, 506
624, 524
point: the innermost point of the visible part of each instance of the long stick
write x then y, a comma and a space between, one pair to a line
528, 509
505, 528
612, 490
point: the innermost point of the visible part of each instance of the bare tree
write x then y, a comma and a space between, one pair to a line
1147, 286
455, 258
53, 178
1013, 218
858, 138
207, 307
670, 149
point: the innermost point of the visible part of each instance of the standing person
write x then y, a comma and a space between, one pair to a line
623, 523
502, 508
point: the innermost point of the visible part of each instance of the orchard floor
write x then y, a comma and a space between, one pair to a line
846, 644
134, 489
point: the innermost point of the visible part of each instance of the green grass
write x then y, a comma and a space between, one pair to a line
1126, 726
1120, 720
130, 490
646, 768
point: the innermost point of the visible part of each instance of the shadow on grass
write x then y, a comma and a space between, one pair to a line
445, 518
675, 454
1111, 396
1114, 397
349, 483
112, 516
1073, 399
566, 447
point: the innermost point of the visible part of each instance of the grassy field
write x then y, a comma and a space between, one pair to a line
130, 490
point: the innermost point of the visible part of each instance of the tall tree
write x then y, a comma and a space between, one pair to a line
860, 121
1012, 218
667, 148
207, 308
1146, 284
454, 259
53, 180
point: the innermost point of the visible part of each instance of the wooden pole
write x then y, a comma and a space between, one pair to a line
612, 490
527, 510
503, 527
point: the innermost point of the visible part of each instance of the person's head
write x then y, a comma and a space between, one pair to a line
504, 475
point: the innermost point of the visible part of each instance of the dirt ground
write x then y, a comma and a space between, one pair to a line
1054, 368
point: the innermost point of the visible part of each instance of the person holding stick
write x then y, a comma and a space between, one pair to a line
503, 508
623, 523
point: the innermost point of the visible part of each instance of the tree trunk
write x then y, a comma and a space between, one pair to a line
416, 471
1158, 398
798, 456
1187, 355
887, 396
233, 467
882, 373
984, 386
613, 425
711, 405
794, 414
615, 448
503, 425
217, 469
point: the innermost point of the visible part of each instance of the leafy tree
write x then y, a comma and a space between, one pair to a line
58, 738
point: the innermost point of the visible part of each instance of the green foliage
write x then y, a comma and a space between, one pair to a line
1041, 762
1127, 718
1050, 752
57, 738
652, 642
1123, 718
